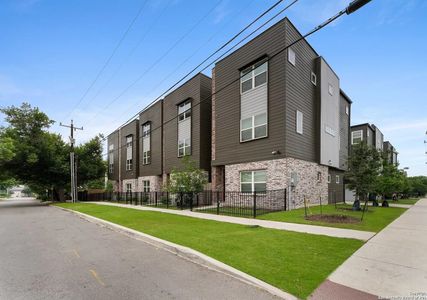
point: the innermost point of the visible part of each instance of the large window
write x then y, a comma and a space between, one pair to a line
253, 76
184, 110
356, 137
184, 128
129, 152
184, 147
254, 127
253, 181
146, 143
128, 187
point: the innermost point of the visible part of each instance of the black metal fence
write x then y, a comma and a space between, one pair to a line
216, 202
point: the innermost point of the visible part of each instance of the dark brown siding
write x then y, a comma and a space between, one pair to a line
154, 115
198, 88
129, 129
301, 95
113, 139
227, 100
344, 132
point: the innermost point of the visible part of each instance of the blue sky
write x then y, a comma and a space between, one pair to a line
51, 51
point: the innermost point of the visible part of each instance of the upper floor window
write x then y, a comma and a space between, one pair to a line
184, 110
313, 78
111, 158
129, 150
356, 137
253, 76
129, 141
291, 56
337, 179
253, 127
184, 147
253, 181
146, 129
331, 89
347, 110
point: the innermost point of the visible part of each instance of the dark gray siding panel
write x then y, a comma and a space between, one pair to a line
154, 115
228, 148
205, 122
130, 129
192, 89
301, 95
344, 132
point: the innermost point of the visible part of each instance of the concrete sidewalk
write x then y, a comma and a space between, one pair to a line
320, 230
392, 263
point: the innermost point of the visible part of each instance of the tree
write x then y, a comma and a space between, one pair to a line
390, 181
188, 179
363, 170
417, 186
40, 158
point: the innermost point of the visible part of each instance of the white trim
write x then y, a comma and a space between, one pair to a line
252, 182
252, 72
253, 128
337, 179
292, 57
313, 78
299, 120
329, 178
352, 136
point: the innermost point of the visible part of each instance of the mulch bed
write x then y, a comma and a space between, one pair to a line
333, 218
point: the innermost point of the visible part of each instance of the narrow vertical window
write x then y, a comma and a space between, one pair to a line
299, 122
111, 159
146, 186
129, 152
337, 179
146, 143
184, 128
313, 78
291, 56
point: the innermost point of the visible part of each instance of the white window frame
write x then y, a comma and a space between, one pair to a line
251, 73
184, 110
253, 182
352, 136
337, 179
347, 110
129, 141
292, 57
146, 129
319, 176
128, 187
129, 144
299, 122
253, 127
329, 178
185, 146
313, 78
146, 186
146, 157
129, 164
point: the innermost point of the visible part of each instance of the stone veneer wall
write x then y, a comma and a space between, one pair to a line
155, 183
279, 176
134, 183
116, 185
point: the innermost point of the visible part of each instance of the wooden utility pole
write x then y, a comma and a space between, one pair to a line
73, 172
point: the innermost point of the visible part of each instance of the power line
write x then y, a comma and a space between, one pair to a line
194, 53
189, 73
110, 57
303, 37
158, 60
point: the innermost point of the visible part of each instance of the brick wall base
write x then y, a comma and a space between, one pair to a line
279, 173
155, 183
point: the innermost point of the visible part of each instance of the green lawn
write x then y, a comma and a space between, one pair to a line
405, 201
376, 218
294, 262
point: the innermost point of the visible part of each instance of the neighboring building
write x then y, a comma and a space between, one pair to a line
391, 153
123, 163
153, 145
285, 123
368, 133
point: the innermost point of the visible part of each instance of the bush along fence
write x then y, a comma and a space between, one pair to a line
215, 202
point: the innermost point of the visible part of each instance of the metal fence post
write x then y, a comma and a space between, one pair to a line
167, 199
284, 198
217, 203
191, 201
254, 196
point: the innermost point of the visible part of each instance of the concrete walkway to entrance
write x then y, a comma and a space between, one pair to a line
320, 230
391, 264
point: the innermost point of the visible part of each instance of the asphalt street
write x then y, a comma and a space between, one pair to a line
47, 253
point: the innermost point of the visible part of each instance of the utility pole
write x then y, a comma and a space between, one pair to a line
72, 161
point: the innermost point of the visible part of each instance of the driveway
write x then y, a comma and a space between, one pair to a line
47, 253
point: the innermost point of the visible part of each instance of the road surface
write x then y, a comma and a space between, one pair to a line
47, 253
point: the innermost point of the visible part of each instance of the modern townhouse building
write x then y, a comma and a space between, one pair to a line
279, 119
187, 125
123, 163
391, 153
143, 153
151, 148
368, 133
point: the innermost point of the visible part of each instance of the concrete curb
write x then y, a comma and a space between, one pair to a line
185, 253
